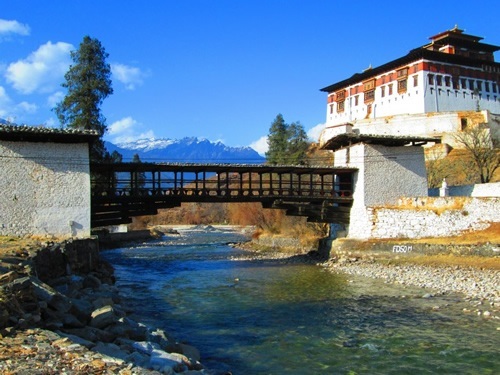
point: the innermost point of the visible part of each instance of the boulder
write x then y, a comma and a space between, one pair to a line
46, 293
169, 363
111, 352
91, 334
81, 308
8, 277
103, 317
76, 339
90, 281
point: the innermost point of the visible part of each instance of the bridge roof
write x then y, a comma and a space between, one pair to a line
349, 139
221, 168
24, 133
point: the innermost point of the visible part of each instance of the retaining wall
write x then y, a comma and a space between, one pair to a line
432, 217
44, 189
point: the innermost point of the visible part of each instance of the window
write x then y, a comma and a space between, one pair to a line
487, 86
331, 108
356, 100
390, 89
382, 91
402, 73
463, 124
455, 83
430, 79
402, 85
494, 87
439, 80
340, 106
415, 81
447, 81
369, 96
340, 96
463, 82
479, 85
471, 84
368, 85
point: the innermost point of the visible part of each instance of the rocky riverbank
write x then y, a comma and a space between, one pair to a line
61, 314
479, 286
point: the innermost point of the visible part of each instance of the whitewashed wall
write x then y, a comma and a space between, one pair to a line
44, 189
385, 174
430, 218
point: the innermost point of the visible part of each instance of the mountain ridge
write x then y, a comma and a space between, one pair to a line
187, 149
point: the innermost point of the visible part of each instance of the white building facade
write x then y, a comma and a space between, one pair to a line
44, 182
424, 97
455, 72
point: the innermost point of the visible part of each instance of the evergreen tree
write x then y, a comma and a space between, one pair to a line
277, 141
297, 143
287, 143
88, 83
116, 157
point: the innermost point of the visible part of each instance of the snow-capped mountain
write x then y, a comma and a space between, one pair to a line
188, 150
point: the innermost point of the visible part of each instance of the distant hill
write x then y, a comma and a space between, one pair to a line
185, 150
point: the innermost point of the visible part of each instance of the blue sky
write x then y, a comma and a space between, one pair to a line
216, 69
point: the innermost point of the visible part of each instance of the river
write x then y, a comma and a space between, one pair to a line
268, 317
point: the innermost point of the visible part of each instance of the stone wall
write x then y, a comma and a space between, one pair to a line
432, 217
44, 189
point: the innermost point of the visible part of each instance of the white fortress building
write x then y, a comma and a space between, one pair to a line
378, 120
439, 88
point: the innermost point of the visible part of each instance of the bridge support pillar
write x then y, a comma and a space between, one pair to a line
384, 175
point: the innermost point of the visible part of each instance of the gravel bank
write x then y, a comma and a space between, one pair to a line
480, 286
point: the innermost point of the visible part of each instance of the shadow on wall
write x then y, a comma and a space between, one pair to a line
478, 190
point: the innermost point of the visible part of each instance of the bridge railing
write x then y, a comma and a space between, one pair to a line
174, 180
123, 190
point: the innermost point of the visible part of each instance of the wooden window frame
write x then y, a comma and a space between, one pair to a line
369, 96
402, 86
341, 106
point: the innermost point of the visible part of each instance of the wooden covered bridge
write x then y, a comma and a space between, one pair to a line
121, 191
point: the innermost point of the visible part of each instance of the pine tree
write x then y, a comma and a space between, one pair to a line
277, 141
287, 143
297, 143
88, 83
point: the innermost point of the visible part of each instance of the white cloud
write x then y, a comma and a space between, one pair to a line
127, 130
25, 107
315, 132
128, 75
8, 28
11, 110
5, 103
260, 145
55, 99
42, 71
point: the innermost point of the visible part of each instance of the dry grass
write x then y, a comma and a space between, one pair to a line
436, 204
488, 235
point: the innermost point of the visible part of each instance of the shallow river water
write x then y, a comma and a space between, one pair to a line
267, 317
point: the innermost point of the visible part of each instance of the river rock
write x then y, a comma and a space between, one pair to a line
103, 317
122, 329
76, 339
168, 362
91, 334
90, 281
111, 352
